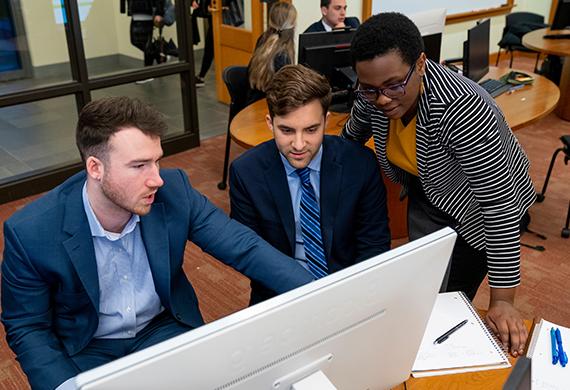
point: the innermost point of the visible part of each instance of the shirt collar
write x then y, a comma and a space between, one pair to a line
326, 26
95, 226
314, 165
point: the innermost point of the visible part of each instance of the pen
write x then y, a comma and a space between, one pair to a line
561, 354
444, 336
553, 343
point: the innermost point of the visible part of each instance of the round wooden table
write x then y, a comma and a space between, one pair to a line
560, 47
524, 106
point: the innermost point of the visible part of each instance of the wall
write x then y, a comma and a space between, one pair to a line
106, 31
455, 34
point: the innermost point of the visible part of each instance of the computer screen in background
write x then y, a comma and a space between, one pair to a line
328, 53
431, 25
562, 16
359, 328
476, 51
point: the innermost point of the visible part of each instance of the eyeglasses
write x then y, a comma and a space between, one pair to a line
393, 91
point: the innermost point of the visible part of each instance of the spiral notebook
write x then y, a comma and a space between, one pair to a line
471, 348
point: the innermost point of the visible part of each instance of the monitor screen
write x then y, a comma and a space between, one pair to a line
562, 16
358, 328
432, 46
476, 51
431, 25
326, 52
520, 378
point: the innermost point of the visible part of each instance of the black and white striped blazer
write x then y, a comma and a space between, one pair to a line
469, 162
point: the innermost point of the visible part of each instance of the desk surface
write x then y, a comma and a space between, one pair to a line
534, 40
559, 47
480, 380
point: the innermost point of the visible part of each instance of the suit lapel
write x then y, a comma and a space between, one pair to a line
155, 237
331, 177
79, 246
277, 183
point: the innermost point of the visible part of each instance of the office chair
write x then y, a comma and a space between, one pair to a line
540, 197
517, 25
236, 80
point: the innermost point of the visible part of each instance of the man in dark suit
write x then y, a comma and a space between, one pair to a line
317, 198
334, 16
92, 271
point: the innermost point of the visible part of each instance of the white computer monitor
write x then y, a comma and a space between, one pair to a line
359, 328
431, 24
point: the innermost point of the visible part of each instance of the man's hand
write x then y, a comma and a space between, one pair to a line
194, 5
340, 25
506, 321
158, 21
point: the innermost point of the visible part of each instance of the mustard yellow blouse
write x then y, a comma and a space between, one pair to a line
401, 145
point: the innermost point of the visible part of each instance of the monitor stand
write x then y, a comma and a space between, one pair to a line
315, 381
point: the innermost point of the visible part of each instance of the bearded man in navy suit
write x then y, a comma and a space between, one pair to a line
92, 271
267, 189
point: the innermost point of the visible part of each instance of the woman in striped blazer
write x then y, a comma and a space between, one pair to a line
447, 142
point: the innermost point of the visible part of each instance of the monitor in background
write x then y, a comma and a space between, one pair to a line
476, 51
562, 16
431, 25
328, 53
359, 328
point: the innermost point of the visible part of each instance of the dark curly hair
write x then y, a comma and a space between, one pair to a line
386, 32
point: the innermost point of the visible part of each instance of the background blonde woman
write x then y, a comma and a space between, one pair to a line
275, 48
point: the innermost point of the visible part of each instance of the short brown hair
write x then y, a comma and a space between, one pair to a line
294, 86
102, 118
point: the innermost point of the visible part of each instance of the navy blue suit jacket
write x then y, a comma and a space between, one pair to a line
50, 288
351, 21
354, 221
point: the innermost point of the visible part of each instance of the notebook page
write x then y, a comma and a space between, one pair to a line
545, 375
471, 345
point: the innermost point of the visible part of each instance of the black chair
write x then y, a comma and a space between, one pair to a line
236, 80
540, 197
517, 25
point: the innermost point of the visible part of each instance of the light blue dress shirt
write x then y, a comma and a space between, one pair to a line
127, 296
295, 189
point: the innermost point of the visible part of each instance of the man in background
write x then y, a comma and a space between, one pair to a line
317, 198
334, 16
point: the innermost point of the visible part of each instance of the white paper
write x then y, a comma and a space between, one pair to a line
470, 348
545, 375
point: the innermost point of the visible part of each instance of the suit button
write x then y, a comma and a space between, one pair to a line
178, 317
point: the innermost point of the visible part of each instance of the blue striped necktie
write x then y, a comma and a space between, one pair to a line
311, 226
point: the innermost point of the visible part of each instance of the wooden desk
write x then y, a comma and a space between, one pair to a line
559, 47
529, 104
480, 380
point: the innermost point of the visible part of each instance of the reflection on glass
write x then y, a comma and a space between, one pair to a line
237, 14
118, 39
37, 136
33, 49
163, 93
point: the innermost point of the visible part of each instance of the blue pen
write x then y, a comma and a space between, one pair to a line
553, 345
561, 354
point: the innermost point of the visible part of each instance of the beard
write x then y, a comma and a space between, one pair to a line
120, 198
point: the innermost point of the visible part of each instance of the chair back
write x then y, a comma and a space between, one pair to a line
517, 25
236, 80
